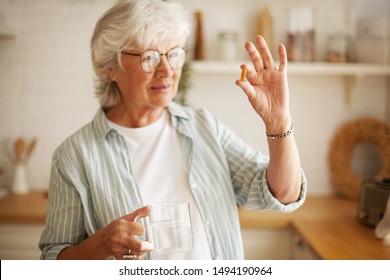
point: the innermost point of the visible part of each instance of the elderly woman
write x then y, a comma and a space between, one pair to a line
142, 148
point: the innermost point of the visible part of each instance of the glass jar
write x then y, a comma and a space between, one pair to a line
227, 46
339, 48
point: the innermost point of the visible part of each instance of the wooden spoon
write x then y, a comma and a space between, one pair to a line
30, 149
19, 147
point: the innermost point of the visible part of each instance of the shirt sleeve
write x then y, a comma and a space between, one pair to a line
64, 217
248, 168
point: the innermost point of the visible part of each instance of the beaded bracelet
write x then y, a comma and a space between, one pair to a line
277, 136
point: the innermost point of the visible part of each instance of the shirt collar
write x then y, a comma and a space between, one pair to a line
177, 111
102, 126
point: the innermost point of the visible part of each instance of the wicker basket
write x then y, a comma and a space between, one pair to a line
369, 130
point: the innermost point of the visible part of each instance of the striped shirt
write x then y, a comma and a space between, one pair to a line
92, 182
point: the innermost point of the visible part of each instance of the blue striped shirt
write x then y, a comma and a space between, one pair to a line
92, 182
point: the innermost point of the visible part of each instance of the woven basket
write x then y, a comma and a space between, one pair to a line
369, 130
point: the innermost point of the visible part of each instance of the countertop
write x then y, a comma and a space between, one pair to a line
327, 223
27, 209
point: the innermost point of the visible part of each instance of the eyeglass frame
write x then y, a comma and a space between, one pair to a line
159, 55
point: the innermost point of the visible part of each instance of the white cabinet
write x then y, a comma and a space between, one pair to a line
20, 241
275, 244
300, 249
266, 244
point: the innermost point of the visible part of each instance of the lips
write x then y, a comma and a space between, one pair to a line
160, 87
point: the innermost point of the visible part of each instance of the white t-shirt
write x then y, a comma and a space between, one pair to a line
160, 171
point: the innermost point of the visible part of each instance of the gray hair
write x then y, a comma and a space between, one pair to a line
132, 24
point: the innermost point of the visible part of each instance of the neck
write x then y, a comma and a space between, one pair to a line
133, 118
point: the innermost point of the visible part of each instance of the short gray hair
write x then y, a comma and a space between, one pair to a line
132, 24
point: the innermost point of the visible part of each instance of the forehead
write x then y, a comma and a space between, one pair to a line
161, 46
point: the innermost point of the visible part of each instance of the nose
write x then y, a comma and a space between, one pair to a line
164, 68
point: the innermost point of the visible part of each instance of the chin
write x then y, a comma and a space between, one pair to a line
163, 102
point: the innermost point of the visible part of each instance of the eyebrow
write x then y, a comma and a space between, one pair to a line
138, 53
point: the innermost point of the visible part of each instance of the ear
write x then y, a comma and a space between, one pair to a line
111, 74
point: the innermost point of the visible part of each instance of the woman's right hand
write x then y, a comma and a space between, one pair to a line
117, 239
120, 237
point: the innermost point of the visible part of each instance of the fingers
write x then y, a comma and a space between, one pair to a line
254, 55
135, 248
138, 252
265, 53
283, 58
246, 86
128, 243
131, 226
137, 214
262, 57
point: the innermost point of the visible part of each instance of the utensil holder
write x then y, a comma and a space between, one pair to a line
19, 183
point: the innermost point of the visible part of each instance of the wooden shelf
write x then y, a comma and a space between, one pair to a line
351, 73
298, 68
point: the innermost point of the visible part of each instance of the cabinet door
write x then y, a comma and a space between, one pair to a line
266, 244
20, 242
300, 250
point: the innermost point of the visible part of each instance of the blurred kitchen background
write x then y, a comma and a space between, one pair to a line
46, 78
46, 88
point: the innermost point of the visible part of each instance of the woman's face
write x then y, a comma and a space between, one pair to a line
147, 91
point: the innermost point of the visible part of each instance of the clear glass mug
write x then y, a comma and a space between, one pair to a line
171, 227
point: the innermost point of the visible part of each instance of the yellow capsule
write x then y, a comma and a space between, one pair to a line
243, 74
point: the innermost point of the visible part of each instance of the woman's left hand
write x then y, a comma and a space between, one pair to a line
266, 86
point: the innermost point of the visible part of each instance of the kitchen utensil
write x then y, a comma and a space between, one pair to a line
19, 148
30, 148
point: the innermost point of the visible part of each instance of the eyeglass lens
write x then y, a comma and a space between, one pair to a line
151, 59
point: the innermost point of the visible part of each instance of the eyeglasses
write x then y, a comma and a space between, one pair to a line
150, 59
